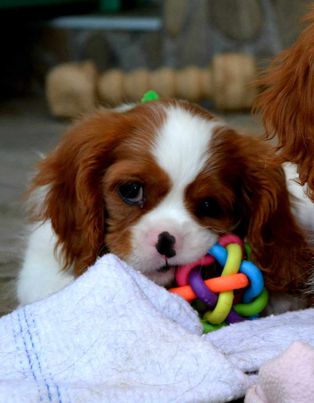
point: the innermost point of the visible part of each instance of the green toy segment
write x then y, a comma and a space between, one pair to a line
209, 327
254, 307
149, 96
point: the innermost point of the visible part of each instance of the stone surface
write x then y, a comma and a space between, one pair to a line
26, 130
135, 50
192, 45
184, 32
71, 89
289, 15
175, 12
243, 21
98, 49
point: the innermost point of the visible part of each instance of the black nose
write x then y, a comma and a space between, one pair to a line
165, 244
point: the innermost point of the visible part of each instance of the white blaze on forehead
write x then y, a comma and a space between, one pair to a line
181, 149
181, 146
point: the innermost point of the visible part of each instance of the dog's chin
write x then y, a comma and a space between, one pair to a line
164, 276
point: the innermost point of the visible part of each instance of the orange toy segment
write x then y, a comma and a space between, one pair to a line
216, 285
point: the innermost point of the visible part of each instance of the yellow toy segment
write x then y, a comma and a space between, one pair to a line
225, 299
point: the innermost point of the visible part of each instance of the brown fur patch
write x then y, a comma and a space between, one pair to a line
286, 103
250, 186
74, 173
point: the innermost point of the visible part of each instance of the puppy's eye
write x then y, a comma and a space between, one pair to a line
132, 193
209, 208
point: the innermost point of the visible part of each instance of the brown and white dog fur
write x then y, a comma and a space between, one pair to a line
287, 107
287, 103
156, 184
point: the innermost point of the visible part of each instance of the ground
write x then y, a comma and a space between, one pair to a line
26, 130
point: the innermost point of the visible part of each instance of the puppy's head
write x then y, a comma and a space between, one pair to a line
157, 185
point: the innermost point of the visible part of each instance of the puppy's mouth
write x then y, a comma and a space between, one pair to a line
166, 267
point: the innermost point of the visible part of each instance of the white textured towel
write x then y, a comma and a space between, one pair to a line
114, 336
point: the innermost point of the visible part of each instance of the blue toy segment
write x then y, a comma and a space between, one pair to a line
219, 252
256, 281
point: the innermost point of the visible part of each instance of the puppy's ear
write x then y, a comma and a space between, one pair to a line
264, 211
286, 103
70, 180
278, 243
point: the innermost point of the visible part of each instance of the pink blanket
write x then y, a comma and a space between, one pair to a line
289, 378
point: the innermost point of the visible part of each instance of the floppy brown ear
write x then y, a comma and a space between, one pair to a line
278, 243
286, 103
264, 208
70, 177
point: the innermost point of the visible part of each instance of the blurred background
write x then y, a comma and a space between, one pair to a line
141, 36
39, 34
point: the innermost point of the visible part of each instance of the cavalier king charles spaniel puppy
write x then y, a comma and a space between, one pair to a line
157, 184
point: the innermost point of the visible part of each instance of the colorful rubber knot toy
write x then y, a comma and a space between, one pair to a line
236, 294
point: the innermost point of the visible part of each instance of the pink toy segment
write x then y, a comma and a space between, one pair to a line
182, 275
229, 238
